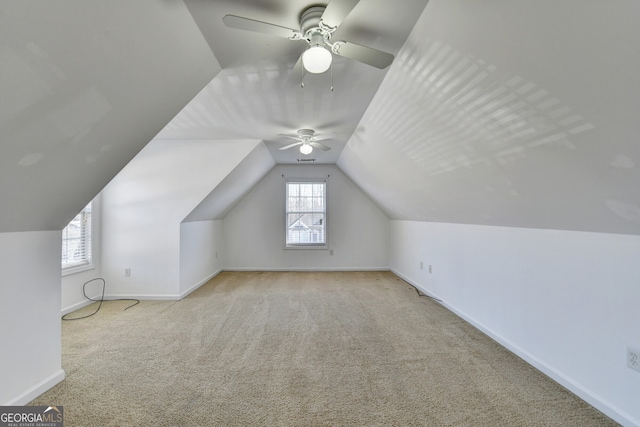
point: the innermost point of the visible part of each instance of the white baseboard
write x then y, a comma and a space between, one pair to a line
346, 269
177, 297
37, 389
588, 396
78, 306
200, 283
142, 297
420, 288
165, 297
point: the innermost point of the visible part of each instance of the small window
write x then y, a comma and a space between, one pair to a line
306, 214
76, 241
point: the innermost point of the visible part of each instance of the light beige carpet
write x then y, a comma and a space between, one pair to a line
299, 349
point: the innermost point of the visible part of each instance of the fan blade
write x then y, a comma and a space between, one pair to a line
233, 21
290, 145
368, 55
320, 146
336, 11
296, 137
323, 136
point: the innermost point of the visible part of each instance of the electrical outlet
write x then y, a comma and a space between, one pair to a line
330, 251
633, 359
430, 270
127, 272
421, 265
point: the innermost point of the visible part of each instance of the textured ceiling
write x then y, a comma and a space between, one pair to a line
511, 114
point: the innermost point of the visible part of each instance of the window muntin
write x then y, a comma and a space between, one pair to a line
76, 241
306, 215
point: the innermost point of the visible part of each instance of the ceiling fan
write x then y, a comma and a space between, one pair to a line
307, 140
317, 25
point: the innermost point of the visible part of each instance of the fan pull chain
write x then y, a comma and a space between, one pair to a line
331, 71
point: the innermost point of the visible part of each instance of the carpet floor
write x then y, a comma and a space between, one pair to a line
299, 349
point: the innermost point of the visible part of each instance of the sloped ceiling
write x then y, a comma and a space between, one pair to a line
255, 97
169, 178
500, 113
509, 113
84, 86
234, 186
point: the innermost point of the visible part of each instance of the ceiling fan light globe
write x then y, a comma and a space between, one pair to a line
306, 149
316, 59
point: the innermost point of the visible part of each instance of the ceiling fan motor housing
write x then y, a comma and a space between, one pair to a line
306, 134
310, 20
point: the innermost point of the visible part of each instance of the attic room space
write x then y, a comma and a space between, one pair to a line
492, 165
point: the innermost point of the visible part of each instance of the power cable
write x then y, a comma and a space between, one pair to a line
422, 294
101, 300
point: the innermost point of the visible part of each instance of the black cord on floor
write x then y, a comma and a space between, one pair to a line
422, 294
101, 300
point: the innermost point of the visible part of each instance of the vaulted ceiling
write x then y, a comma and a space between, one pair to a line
84, 87
509, 113
257, 95
497, 112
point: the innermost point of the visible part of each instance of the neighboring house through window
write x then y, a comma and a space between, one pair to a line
306, 215
76, 241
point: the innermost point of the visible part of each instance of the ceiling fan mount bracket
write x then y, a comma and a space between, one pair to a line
335, 47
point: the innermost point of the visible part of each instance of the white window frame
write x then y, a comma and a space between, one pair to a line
84, 220
306, 245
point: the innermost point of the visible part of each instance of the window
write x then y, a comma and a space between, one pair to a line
76, 241
306, 214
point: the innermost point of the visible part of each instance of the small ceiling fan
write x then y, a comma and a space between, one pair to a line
317, 25
307, 140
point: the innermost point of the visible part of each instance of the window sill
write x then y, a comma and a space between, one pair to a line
77, 269
307, 247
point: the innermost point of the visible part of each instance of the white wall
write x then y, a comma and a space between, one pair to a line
146, 202
567, 302
358, 231
30, 361
72, 296
201, 253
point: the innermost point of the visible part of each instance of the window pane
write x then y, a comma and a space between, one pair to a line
305, 228
318, 204
293, 204
306, 213
76, 240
